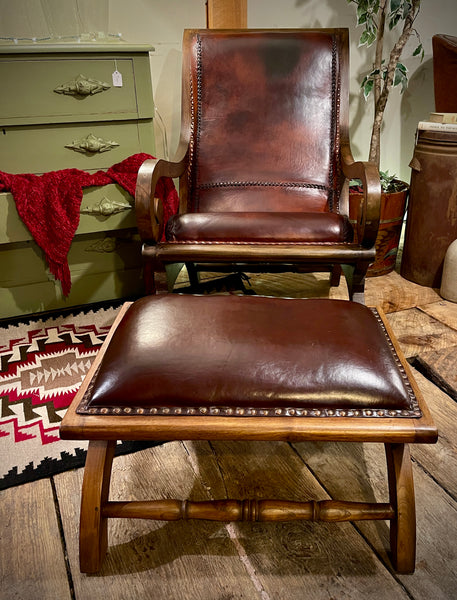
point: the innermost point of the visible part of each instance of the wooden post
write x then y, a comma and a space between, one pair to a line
401, 492
93, 533
226, 14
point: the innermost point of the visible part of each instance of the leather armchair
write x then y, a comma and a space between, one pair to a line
263, 162
445, 72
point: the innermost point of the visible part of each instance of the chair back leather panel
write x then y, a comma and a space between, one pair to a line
265, 119
445, 72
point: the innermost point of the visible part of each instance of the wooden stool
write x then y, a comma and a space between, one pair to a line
248, 368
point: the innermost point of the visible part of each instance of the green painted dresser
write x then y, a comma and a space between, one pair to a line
66, 106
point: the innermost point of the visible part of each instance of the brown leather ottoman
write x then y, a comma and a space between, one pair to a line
229, 367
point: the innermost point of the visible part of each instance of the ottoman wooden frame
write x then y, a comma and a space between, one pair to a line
103, 430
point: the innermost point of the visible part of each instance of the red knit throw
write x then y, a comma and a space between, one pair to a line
49, 205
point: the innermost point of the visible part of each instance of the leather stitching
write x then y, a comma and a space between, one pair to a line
293, 184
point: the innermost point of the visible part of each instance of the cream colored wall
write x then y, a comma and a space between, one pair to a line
161, 23
403, 111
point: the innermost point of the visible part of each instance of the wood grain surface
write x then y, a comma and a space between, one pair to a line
265, 561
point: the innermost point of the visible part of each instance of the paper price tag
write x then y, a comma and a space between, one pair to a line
117, 79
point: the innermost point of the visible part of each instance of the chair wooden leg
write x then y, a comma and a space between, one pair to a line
155, 278
192, 274
148, 278
355, 278
335, 275
93, 533
401, 491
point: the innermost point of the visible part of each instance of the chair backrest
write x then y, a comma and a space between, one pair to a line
445, 72
266, 111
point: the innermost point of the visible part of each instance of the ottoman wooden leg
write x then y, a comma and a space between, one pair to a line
401, 491
93, 533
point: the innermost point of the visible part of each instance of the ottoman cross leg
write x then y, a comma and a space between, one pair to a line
93, 525
403, 503
96, 509
249, 368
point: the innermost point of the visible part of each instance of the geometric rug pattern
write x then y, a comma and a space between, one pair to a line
42, 365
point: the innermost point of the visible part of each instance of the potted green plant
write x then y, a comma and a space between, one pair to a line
387, 72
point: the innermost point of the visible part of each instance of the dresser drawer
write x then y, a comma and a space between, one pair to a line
103, 267
39, 147
36, 85
91, 253
33, 298
96, 206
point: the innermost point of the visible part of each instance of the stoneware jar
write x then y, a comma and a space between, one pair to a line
449, 280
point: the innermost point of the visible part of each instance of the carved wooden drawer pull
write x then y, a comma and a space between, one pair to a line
82, 86
106, 207
91, 144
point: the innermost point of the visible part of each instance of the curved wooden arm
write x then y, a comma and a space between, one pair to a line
369, 210
148, 207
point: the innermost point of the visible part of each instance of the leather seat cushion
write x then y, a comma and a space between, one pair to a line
269, 227
244, 355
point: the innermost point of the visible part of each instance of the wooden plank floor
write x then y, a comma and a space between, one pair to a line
265, 561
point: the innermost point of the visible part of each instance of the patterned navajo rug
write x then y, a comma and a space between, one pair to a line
42, 364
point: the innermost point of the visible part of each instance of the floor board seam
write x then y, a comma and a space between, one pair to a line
62, 540
230, 528
417, 462
422, 307
429, 373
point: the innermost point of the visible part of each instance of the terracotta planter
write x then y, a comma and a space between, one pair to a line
393, 207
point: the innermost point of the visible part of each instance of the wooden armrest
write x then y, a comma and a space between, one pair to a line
369, 210
148, 207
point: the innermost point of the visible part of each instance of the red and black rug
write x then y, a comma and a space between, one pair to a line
42, 364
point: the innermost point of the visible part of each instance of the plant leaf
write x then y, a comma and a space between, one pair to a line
367, 88
367, 37
419, 51
394, 21
394, 5
406, 8
361, 14
401, 77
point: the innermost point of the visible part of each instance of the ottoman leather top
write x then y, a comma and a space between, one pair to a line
244, 355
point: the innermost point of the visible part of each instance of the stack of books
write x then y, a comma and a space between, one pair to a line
440, 121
